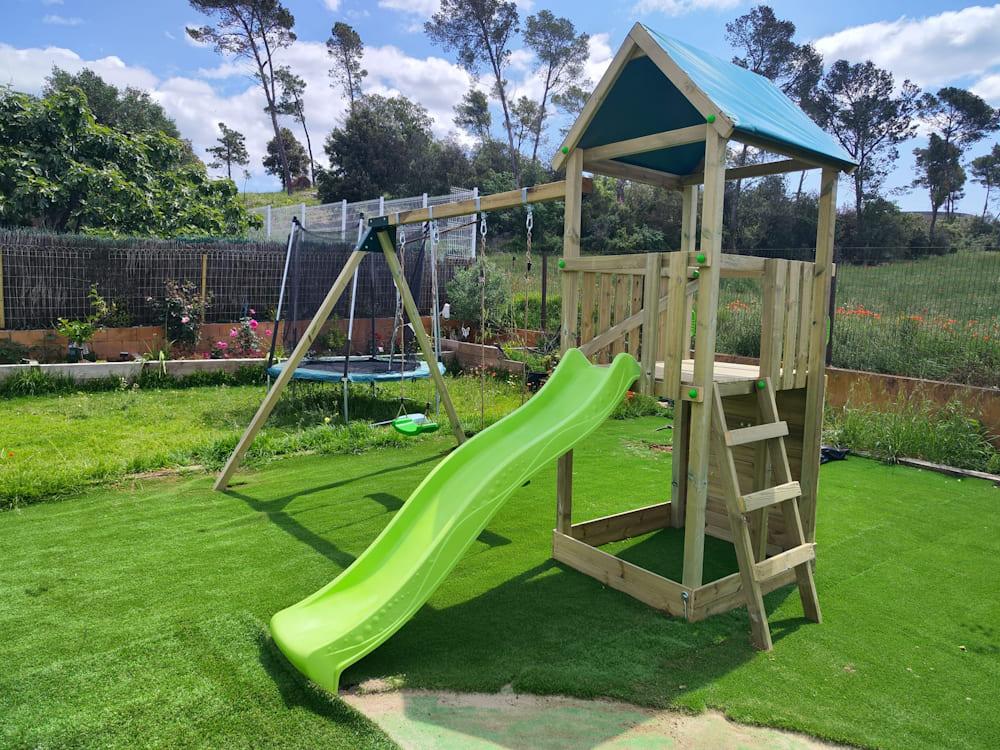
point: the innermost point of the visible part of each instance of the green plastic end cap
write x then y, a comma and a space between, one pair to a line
565, 149
700, 257
695, 273
710, 119
562, 263
693, 393
761, 385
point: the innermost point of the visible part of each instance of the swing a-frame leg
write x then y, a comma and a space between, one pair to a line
313, 331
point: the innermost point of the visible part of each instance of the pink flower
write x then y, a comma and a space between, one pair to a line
222, 345
267, 332
253, 324
252, 311
185, 319
232, 333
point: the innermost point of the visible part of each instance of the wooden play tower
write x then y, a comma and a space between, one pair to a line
746, 437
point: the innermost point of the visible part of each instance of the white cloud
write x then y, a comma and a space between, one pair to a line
333, 5
682, 7
26, 69
428, 8
988, 87
52, 2
56, 20
929, 51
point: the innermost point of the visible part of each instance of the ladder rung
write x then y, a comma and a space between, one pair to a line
775, 566
770, 496
756, 433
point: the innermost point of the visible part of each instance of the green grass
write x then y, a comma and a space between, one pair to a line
136, 616
280, 198
54, 446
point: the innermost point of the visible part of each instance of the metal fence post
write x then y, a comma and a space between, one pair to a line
475, 235
267, 220
302, 208
343, 216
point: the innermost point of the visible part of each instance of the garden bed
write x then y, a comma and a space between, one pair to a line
129, 371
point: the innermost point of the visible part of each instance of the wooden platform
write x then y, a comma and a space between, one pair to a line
725, 372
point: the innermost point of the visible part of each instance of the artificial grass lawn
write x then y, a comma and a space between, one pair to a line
137, 616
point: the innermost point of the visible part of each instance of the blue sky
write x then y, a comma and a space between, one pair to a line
143, 44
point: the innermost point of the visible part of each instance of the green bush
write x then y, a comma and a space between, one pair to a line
12, 352
915, 429
464, 295
35, 382
640, 405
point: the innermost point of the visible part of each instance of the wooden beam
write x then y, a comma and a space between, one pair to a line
564, 493
418, 328
754, 170
632, 172
646, 143
622, 57
571, 247
721, 124
548, 191
816, 381
304, 345
727, 593
632, 263
784, 561
639, 583
704, 360
651, 314
790, 151
620, 526
679, 462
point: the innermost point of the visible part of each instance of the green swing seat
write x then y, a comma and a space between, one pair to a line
414, 424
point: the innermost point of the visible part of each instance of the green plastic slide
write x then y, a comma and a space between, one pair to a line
327, 632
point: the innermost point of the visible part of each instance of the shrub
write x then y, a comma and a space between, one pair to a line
12, 352
640, 405
182, 309
464, 295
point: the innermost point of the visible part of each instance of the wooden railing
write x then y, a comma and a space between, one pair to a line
614, 317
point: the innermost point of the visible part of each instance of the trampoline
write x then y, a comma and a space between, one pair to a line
358, 370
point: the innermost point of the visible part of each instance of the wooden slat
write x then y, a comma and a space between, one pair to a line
784, 561
756, 433
727, 593
588, 292
678, 327
788, 349
772, 319
571, 248
649, 588
804, 316
769, 496
679, 461
651, 285
635, 308
621, 294
564, 493
646, 143
603, 310
632, 263
625, 525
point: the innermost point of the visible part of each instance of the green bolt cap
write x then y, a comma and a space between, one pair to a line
700, 257
710, 119
695, 273
761, 385
693, 393
562, 263
565, 149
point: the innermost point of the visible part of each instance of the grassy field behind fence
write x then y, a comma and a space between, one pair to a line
936, 317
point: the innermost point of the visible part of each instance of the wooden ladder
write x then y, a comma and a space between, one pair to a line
800, 554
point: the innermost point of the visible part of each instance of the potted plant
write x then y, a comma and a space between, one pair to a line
79, 334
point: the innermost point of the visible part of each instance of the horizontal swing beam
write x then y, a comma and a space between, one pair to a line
548, 191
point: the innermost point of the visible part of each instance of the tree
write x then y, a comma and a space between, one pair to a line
940, 171
232, 149
130, 110
986, 171
292, 88
768, 49
296, 162
346, 49
384, 147
256, 30
481, 31
869, 119
571, 102
561, 53
527, 116
961, 118
61, 170
473, 113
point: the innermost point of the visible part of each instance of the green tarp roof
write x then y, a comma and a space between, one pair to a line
644, 101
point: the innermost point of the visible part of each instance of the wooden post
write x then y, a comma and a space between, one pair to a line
679, 458
704, 358
571, 246
816, 382
689, 218
418, 328
311, 332
564, 493
204, 285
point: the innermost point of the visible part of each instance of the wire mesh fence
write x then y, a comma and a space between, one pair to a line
458, 234
44, 277
935, 317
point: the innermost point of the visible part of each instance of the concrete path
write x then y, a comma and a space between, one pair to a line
422, 720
